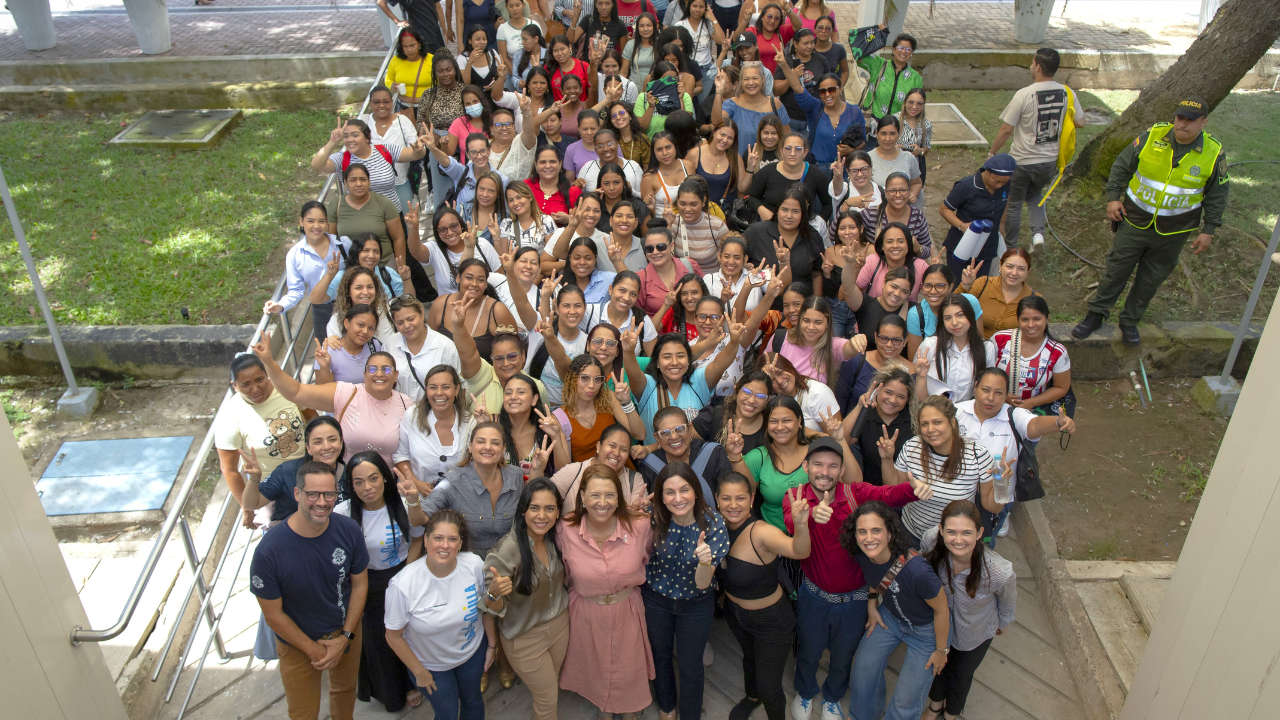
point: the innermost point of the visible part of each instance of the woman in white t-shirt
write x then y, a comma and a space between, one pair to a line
949, 361
392, 543
453, 241
745, 292
509, 32
816, 399
434, 621
955, 468
706, 35
258, 420
434, 432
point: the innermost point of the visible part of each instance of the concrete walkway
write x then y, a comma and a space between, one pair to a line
1023, 676
89, 29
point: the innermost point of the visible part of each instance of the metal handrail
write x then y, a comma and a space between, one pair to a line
79, 634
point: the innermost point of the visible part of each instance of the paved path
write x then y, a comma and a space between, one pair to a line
308, 26
1023, 676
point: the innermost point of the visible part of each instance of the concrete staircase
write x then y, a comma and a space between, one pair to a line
1122, 600
236, 81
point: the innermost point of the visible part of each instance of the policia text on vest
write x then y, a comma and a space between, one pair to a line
1163, 188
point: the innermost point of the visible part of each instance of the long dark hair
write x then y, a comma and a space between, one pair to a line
977, 346
483, 265
316, 422
442, 213
782, 402
525, 577
821, 360
504, 420
534, 31
940, 557
486, 110
1037, 303
441, 58
562, 179
570, 277
679, 319
951, 467
731, 402
661, 517
806, 233
782, 17
898, 545
909, 262
616, 169
539, 71
664, 394
390, 495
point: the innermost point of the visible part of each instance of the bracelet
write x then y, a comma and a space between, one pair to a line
628, 408
417, 504
733, 459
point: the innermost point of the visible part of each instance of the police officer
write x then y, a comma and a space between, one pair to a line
1160, 189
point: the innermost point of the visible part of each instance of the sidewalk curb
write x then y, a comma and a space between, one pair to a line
1097, 685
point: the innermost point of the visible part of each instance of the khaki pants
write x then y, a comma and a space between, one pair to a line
302, 681
536, 656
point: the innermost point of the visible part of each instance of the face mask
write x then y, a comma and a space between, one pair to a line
474, 110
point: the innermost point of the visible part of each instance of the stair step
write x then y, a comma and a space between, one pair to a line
1146, 595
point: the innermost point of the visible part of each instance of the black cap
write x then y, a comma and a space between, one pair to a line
820, 444
1192, 108
744, 39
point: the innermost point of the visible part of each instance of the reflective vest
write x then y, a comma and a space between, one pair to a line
1166, 197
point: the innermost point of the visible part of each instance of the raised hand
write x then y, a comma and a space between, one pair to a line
402, 269
859, 343
970, 273
922, 364
458, 313
850, 253
722, 83
822, 512
549, 424
735, 332
501, 586
542, 453
469, 237
1064, 423
800, 509
543, 328
408, 490
837, 167
726, 289
322, 356
868, 397
753, 154
479, 411
828, 261
734, 442
641, 503
775, 286
887, 445
831, 424
630, 338
673, 297
621, 390
335, 135
923, 490
526, 105
249, 463
549, 284
262, 348
702, 551
616, 252
782, 251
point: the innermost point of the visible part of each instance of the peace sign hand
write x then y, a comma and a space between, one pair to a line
542, 453
469, 237
458, 313
334, 263
828, 263
970, 273
616, 252
782, 251
630, 338
408, 490
322, 355
621, 390
402, 269
726, 293
549, 424
800, 509
837, 167
642, 503
734, 443
831, 424
479, 411
250, 465
673, 297
543, 328
887, 445
922, 364
753, 154
335, 135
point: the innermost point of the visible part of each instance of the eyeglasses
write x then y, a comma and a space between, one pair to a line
904, 48
505, 359
793, 149
890, 342
828, 90
650, 249
860, 171
453, 229
759, 396
899, 191
380, 102
935, 287
677, 430
619, 114
604, 343
372, 370
503, 125
593, 379
704, 317
478, 153
314, 495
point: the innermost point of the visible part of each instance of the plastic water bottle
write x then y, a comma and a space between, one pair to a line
974, 238
1002, 485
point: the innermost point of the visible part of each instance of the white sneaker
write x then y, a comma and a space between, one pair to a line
800, 708
1037, 242
831, 711
708, 656
1004, 529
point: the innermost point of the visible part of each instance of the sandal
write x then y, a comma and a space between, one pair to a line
937, 712
414, 698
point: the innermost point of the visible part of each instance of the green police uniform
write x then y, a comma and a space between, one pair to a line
1169, 190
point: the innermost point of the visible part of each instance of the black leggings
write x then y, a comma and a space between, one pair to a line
953, 683
766, 637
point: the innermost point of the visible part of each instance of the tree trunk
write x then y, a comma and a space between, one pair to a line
1229, 47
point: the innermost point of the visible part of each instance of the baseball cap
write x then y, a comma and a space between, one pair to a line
1000, 164
1192, 108
823, 444
744, 39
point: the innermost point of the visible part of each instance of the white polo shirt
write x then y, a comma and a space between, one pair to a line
995, 434
959, 365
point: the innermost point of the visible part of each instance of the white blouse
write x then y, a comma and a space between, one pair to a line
428, 458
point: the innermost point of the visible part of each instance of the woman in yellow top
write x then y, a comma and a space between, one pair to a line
999, 295
409, 72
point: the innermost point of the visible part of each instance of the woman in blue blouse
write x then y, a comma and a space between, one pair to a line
690, 539
830, 119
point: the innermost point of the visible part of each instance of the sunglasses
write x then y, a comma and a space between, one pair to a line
677, 430
650, 249
594, 380
506, 359
828, 90
604, 343
372, 370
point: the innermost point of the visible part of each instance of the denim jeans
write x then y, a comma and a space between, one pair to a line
459, 688
440, 185
1001, 519
842, 318
867, 701
800, 125
678, 627
835, 627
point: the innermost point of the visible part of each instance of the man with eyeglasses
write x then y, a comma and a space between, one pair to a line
891, 79
607, 152
676, 441
464, 176
310, 577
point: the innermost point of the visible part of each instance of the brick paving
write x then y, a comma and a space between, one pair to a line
1117, 25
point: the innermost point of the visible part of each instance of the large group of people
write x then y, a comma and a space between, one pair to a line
627, 319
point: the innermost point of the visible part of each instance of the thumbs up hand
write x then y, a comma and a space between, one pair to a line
923, 490
1064, 423
702, 550
501, 586
822, 512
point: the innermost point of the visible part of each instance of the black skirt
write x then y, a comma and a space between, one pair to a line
382, 675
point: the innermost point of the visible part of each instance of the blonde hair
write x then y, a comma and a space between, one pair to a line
522, 189
750, 64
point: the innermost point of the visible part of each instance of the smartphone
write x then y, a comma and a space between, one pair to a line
763, 275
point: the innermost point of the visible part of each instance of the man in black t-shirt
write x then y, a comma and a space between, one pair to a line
310, 576
424, 16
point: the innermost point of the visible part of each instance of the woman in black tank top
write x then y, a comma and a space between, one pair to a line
490, 313
758, 612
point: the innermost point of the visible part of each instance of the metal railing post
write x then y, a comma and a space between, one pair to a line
1253, 302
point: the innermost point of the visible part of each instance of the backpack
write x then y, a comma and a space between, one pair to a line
699, 464
1066, 141
666, 94
382, 150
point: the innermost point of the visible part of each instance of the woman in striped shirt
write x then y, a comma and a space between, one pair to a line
956, 468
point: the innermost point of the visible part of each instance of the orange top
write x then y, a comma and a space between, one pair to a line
997, 314
583, 440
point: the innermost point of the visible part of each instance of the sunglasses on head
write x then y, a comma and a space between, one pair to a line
660, 247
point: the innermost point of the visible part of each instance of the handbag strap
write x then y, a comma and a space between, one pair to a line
1015, 362
894, 569
347, 404
421, 62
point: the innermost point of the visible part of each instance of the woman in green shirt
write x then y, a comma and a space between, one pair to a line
778, 465
363, 211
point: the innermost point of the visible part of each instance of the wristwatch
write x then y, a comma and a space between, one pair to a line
348, 635
944, 651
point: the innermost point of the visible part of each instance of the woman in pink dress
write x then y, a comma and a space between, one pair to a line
605, 546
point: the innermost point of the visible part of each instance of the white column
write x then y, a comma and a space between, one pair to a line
871, 12
1209, 8
35, 23
150, 21
1031, 20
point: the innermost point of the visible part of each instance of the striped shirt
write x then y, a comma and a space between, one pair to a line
382, 174
918, 224
974, 620
921, 515
1035, 373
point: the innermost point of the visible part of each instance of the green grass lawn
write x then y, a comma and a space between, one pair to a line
1214, 285
129, 236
